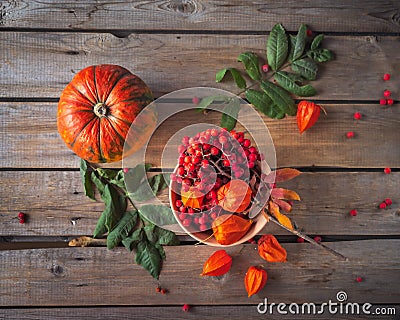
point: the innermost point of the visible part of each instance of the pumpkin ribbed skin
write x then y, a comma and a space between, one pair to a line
97, 108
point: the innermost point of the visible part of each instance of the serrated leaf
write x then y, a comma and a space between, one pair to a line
122, 229
237, 77
321, 55
131, 242
260, 101
230, 114
161, 236
287, 81
292, 42
277, 47
306, 68
86, 180
161, 251
157, 214
115, 207
207, 101
317, 41
300, 42
100, 185
251, 64
148, 189
148, 256
280, 97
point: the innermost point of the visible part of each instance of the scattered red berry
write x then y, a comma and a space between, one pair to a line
309, 33
388, 201
317, 239
22, 221
163, 291
382, 205
359, 279
382, 102
353, 212
195, 100
387, 170
186, 307
350, 134
21, 215
387, 93
265, 68
357, 116
125, 170
389, 101
300, 240
386, 76
158, 289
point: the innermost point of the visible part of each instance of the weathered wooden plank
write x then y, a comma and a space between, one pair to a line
41, 64
81, 276
175, 312
375, 16
30, 138
56, 205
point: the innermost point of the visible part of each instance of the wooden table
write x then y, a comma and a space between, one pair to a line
177, 44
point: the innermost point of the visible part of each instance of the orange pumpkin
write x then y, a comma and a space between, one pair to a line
96, 110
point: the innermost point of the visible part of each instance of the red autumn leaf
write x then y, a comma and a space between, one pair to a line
286, 174
280, 193
283, 205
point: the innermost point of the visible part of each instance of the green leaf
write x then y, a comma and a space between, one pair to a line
108, 174
317, 41
161, 251
115, 207
280, 97
306, 68
237, 77
207, 101
148, 256
260, 101
100, 185
87, 182
288, 82
157, 214
132, 241
321, 55
300, 42
251, 64
277, 47
161, 236
100, 228
122, 229
149, 188
230, 114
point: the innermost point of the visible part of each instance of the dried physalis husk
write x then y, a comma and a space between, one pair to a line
235, 196
230, 228
217, 264
255, 280
270, 249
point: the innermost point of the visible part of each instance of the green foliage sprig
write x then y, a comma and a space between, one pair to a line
130, 227
292, 62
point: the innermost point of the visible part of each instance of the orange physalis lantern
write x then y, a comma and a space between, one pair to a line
235, 196
255, 280
229, 229
192, 198
270, 249
217, 264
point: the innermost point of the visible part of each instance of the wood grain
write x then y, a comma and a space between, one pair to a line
42, 64
30, 138
76, 276
205, 312
359, 16
53, 200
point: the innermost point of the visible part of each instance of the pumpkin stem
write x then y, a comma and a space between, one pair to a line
100, 109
